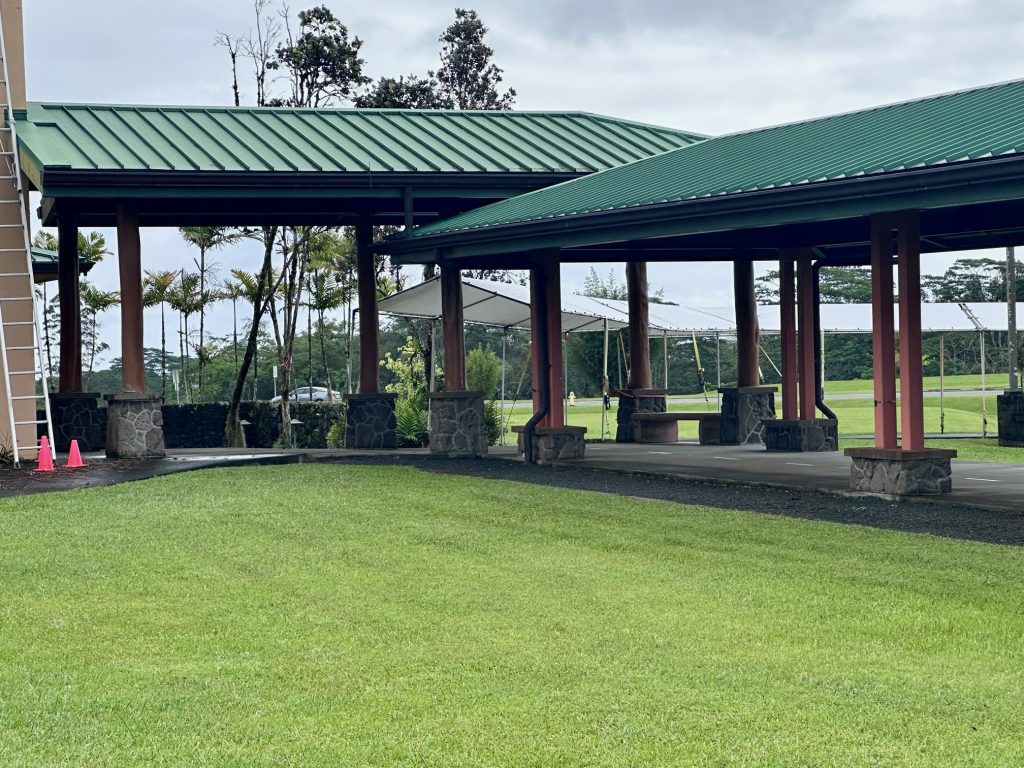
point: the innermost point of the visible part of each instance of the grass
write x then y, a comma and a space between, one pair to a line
973, 449
327, 615
963, 415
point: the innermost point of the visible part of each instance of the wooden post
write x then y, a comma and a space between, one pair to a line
366, 279
639, 325
553, 307
911, 373
787, 319
69, 292
129, 261
453, 328
805, 288
747, 352
883, 352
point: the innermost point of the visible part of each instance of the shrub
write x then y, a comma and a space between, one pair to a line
412, 421
336, 434
483, 371
492, 422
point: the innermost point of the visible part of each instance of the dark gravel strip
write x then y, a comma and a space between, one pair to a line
952, 521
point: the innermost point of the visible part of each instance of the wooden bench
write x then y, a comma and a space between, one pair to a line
664, 427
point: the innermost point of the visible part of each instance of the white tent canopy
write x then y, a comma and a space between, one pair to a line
486, 302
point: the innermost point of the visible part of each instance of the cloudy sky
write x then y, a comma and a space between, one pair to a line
709, 67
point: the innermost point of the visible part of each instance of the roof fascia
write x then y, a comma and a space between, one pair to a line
990, 180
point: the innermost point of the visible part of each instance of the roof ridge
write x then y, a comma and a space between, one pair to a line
875, 108
493, 113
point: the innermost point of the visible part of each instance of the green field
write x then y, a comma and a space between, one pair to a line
963, 415
320, 615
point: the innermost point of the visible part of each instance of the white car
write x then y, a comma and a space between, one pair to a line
316, 394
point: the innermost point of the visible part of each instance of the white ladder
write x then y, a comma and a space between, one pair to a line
11, 172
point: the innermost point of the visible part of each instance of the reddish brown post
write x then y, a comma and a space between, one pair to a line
129, 261
908, 251
639, 325
453, 328
546, 297
70, 305
553, 307
787, 319
366, 279
805, 287
883, 350
747, 350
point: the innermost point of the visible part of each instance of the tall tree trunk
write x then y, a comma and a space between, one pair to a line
163, 350
323, 354
234, 436
202, 316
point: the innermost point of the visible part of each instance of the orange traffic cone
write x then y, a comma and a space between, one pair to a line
74, 456
45, 458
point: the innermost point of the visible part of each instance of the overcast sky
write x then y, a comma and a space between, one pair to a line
711, 67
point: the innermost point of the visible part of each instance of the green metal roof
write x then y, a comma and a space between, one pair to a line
937, 131
196, 139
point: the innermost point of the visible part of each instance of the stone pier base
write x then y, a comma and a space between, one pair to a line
457, 424
744, 412
551, 444
1011, 418
135, 426
78, 416
795, 435
370, 421
897, 472
636, 401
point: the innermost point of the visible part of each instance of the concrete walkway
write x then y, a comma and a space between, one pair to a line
995, 486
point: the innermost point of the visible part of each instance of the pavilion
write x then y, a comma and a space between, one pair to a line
152, 166
878, 186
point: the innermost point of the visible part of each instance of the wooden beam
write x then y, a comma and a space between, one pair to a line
129, 262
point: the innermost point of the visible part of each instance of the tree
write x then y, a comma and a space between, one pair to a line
612, 288
971, 280
92, 247
321, 64
837, 285
157, 287
206, 239
412, 92
186, 299
467, 78
94, 301
330, 259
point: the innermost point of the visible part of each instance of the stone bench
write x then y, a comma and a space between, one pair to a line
664, 427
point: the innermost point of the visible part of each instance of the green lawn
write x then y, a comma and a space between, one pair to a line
348, 616
963, 414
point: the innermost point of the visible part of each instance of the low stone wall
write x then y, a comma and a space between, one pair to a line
1011, 418
76, 416
901, 473
795, 435
202, 425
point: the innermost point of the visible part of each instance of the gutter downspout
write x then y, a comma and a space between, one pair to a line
543, 377
819, 389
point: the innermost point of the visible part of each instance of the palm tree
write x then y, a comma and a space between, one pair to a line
94, 301
157, 290
332, 264
186, 299
206, 239
233, 290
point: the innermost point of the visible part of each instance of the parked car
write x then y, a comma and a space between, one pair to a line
316, 394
